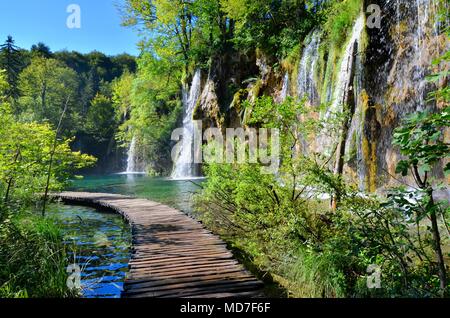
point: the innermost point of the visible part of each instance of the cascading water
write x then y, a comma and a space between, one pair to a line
131, 156
285, 89
135, 164
306, 82
416, 43
342, 87
399, 59
184, 166
344, 82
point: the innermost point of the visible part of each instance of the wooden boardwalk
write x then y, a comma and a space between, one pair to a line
172, 254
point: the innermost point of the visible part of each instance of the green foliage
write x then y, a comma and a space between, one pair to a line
25, 153
366, 232
48, 80
100, 119
171, 23
41, 50
33, 258
273, 26
10, 61
32, 255
46, 85
421, 140
149, 105
288, 229
341, 16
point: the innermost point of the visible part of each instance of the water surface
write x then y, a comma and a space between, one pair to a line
101, 247
175, 193
102, 240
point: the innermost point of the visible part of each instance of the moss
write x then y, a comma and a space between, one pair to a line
256, 89
238, 98
331, 66
197, 112
340, 20
369, 148
353, 150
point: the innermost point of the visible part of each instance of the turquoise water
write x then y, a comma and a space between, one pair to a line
102, 240
175, 193
100, 244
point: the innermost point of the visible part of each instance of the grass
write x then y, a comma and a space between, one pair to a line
307, 274
33, 258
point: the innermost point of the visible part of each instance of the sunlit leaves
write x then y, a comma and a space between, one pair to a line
46, 84
421, 139
25, 151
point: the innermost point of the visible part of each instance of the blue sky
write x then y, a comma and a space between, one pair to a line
33, 21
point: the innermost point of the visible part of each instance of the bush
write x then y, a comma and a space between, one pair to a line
287, 228
33, 258
341, 16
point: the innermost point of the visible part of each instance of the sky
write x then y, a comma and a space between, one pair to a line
33, 21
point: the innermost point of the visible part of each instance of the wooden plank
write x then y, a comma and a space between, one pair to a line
172, 255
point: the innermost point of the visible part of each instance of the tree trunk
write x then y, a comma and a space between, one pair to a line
348, 107
437, 243
10, 181
52, 154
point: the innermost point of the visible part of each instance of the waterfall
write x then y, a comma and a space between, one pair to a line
344, 92
306, 83
184, 167
344, 80
284, 93
135, 163
131, 161
416, 44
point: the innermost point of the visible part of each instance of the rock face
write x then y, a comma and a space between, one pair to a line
378, 75
395, 72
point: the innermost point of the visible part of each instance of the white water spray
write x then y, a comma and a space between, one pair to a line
184, 168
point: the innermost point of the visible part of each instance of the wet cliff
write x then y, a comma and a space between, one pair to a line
376, 74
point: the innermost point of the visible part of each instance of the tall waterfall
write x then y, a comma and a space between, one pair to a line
135, 162
416, 43
285, 88
344, 92
184, 167
306, 82
344, 81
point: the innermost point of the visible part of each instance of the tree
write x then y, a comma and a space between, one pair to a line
122, 96
46, 84
273, 26
123, 63
25, 153
10, 61
41, 50
171, 21
100, 119
421, 140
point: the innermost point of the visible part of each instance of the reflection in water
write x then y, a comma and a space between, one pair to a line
102, 240
101, 247
176, 193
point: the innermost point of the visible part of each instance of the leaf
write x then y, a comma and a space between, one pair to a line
447, 169
424, 168
402, 167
